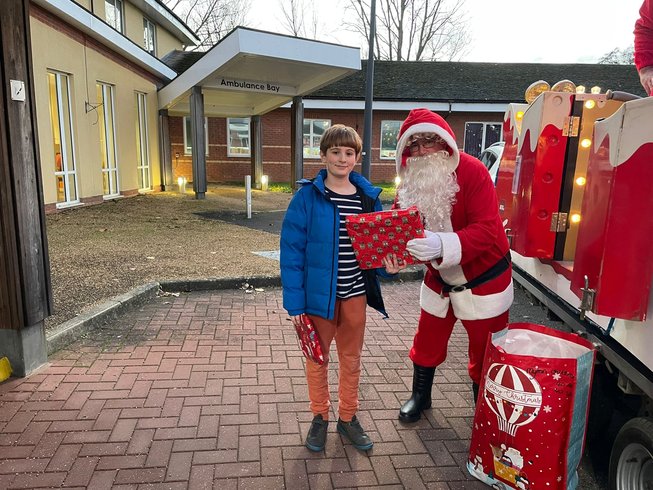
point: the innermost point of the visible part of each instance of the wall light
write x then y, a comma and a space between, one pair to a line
264, 182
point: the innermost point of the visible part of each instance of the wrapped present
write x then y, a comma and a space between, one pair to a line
375, 235
309, 341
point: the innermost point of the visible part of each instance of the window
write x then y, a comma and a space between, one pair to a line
108, 146
142, 143
149, 36
188, 140
113, 9
62, 137
238, 137
480, 135
313, 131
389, 134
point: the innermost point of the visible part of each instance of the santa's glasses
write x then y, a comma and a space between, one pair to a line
426, 143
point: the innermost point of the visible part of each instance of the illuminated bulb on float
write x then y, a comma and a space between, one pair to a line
590, 104
397, 181
595, 89
586, 143
519, 115
580, 89
575, 218
581, 181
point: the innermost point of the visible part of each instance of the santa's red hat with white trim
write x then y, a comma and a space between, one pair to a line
421, 122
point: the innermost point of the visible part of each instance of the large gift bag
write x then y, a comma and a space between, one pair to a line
375, 235
531, 413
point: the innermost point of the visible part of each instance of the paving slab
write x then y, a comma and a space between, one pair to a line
206, 390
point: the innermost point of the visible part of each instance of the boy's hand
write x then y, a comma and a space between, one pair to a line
296, 320
393, 264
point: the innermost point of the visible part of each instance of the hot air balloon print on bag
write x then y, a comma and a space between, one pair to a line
513, 395
532, 416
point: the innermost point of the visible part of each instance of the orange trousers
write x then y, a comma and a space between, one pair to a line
348, 330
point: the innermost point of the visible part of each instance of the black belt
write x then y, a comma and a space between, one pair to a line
495, 271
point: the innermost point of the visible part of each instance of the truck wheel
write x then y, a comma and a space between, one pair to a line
631, 460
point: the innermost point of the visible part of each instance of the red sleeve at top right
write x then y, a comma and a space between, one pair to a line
644, 36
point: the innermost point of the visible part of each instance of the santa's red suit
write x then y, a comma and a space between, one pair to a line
473, 243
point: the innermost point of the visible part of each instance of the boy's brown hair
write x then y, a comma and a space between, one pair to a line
340, 135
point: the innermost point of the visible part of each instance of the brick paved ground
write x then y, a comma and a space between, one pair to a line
207, 390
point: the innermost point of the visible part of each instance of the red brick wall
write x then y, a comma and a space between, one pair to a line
276, 144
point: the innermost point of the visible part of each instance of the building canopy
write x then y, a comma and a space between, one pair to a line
251, 72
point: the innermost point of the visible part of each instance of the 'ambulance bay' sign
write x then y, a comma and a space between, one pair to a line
255, 86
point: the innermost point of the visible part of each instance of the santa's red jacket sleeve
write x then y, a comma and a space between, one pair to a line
644, 36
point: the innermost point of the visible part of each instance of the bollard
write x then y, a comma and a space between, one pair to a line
248, 195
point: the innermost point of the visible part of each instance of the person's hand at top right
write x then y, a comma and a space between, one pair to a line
646, 78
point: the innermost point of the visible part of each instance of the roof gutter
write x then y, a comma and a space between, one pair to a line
168, 19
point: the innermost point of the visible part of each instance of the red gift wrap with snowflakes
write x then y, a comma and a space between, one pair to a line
375, 235
531, 413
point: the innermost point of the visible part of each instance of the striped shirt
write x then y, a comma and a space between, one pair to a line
350, 278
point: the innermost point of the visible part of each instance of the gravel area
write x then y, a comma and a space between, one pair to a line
98, 252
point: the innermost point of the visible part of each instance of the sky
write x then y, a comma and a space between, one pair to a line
504, 31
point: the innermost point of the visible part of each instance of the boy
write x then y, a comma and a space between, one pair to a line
320, 277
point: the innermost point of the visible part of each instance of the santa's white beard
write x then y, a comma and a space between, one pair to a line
428, 184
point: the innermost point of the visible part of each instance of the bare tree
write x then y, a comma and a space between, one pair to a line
210, 19
300, 19
414, 29
618, 56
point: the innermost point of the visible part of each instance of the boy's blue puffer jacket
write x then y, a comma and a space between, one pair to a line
309, 249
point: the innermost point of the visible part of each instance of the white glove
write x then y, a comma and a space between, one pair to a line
425, 249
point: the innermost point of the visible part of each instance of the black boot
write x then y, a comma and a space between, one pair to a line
421, 397
475, 388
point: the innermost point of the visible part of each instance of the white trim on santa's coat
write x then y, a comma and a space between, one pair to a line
452, 253
428, 128
465, 304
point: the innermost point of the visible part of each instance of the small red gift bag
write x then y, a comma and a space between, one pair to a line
309, 342
375, 235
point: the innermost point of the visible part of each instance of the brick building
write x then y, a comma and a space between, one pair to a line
471, 96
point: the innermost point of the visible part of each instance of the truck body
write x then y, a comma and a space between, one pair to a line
575, 192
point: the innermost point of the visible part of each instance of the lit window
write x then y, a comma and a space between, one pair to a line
113, 9
389, 134
188, 140
63, 138
149, 36
480, 135
313, 131
238, 137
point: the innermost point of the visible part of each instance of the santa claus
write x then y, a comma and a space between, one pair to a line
468, 274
